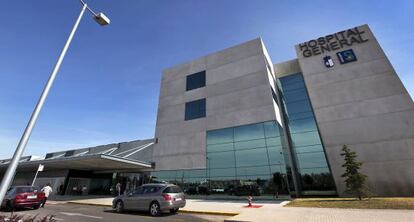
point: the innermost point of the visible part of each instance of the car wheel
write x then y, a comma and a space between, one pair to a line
119, 207
174, 211
154, 209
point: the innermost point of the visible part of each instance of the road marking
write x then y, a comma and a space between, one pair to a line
80, 215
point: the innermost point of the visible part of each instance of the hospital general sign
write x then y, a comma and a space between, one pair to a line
332, 42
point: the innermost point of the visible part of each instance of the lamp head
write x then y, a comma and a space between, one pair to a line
101, 19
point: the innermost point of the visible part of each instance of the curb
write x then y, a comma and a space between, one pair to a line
208, 212
90, 204
182, 211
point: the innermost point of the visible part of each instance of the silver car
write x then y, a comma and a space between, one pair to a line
151, 197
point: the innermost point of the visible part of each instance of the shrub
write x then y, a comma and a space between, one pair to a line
23, 218
355, 181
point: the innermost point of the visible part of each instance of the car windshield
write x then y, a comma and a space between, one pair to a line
173, 189
27, 189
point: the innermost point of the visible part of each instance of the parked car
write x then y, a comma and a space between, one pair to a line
153, 198
23, 197
243, 190
200, 189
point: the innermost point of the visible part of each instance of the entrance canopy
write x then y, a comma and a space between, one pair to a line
94, 162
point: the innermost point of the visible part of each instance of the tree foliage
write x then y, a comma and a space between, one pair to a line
354, 180
26, 218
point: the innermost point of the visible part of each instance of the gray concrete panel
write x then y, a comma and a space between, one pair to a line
363, 104
181, 127
385, 178
236, 69
173, 87
347, 73
184, 161
356, 90
171, 114
286, 68
240, 100
180, 71
386, 126
380, 105
237, 84
234, 54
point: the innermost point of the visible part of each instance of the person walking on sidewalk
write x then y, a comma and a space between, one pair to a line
47, 190
118, 189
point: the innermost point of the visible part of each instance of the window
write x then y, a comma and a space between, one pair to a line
247, 155
305, 139
10, 191
249, 132
151, 189
27, 189
49, 155
69, 153
196, 80
195, 109
221, 159
220, 136
172, 189
137, 191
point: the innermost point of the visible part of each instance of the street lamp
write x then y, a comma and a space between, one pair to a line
11, 170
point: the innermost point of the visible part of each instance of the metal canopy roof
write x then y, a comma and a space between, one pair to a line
96, 162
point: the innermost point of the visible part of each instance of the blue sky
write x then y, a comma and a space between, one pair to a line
108, 86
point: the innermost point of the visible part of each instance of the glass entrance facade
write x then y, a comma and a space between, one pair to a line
247, 159
243, 160
306, 145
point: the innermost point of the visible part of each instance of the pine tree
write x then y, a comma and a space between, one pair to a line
354, 180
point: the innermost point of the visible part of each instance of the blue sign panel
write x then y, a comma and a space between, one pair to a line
346, 56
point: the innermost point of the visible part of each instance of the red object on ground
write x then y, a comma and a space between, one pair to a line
253, 206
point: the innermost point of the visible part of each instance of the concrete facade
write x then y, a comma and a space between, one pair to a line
364, 105
237, 92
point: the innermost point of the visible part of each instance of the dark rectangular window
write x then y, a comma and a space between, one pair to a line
196, 80
69, 153
195, 109
49, 155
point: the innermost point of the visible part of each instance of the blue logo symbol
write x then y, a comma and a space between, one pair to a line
346, 56
328, 61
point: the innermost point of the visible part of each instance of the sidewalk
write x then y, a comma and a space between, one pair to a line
273, 211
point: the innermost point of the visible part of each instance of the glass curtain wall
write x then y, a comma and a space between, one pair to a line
315, 176
244, 160
247, 160
191, 181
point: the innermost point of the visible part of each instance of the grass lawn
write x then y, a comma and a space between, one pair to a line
373, 203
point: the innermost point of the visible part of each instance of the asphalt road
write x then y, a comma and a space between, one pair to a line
81, 213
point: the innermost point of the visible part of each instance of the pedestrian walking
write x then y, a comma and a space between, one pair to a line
118, 188
47, 190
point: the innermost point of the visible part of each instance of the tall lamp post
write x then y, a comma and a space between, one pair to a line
101, 19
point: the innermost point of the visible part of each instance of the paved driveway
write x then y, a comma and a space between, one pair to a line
81, 213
